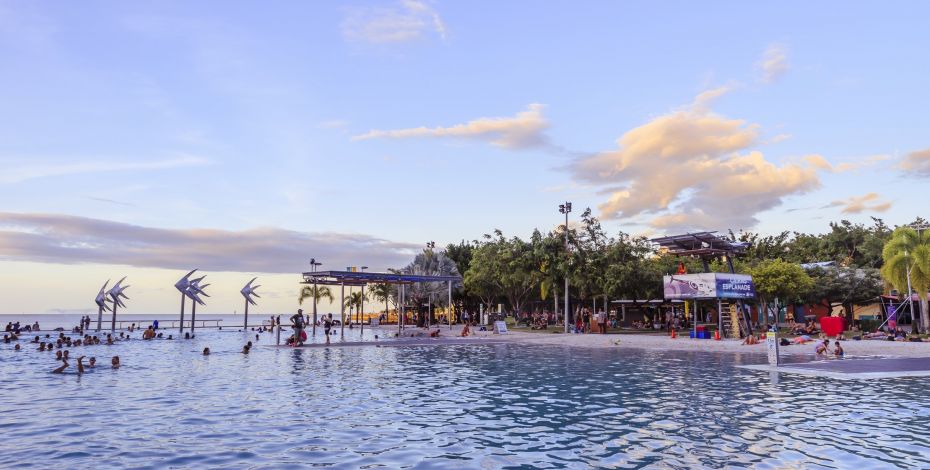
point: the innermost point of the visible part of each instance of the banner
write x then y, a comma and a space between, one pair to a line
735, 286
690, 286
708, 286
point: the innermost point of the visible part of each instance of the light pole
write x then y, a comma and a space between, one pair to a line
361, 308
313, 264
565, 209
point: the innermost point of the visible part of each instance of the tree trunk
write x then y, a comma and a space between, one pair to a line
924, 315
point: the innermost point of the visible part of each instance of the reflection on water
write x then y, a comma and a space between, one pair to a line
489, 406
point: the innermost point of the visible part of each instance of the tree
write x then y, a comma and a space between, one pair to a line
838, 285
322, 292
429, 263
383, 292
462, 254
909, 250
354, 300
778, 279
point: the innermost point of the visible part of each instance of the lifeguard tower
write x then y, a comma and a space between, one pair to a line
729, 290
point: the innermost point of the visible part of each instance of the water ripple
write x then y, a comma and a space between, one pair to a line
424, 407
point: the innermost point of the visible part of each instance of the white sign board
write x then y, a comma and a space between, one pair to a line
771, 346
500, 327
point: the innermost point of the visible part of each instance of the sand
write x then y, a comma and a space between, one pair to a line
664, 342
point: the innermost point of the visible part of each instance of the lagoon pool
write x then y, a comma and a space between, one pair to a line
451, 406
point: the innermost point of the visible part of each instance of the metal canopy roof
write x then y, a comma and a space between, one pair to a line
362, 278
700, 244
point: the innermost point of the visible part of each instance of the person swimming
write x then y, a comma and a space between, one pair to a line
92, 362
61, 369
115, 362
206, 351
838, 350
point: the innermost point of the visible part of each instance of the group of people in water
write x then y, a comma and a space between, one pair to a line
59, 344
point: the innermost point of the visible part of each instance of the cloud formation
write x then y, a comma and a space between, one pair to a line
17, 174
524, 130
774, 63
408, 20
870, 202
821, 163
55, 238
691, 169
917, 163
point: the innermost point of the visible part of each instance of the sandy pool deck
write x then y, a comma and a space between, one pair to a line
663, 342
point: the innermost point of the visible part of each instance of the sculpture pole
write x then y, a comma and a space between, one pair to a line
248, 291
101, 301
115, 293
183, 299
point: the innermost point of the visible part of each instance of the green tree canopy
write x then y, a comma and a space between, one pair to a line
909, 250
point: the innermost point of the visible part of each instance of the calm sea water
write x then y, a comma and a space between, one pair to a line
481, 406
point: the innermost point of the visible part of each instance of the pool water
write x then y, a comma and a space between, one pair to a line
450, 406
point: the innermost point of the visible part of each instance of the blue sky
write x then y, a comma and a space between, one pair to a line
335, 125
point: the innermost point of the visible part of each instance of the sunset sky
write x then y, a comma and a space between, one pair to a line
149, 138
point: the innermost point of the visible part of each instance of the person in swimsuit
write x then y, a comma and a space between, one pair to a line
115, 362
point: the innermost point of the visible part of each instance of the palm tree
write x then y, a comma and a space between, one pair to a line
322, 292
383, 292
354, 300
909, 250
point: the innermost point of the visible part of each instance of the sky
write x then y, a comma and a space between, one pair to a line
145, 139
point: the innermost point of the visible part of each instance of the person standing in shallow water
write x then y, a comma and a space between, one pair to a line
297, 320
328, 325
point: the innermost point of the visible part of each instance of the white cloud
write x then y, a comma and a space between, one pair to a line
55, 238
691, 169
821, 163
17, 174
525, 130
407, 20
870, 202
774, 63
917, 162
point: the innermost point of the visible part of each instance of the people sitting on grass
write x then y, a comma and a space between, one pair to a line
900, 334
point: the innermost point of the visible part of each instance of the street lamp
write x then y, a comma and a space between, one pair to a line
313, 265
565, 209
361, 309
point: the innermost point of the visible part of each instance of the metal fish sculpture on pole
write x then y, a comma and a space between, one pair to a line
102, 306
182, 286
248, 291
194, 291
116, 293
